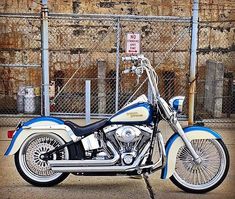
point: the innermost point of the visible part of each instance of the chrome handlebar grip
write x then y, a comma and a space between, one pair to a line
129, 69
133, 58
130, 58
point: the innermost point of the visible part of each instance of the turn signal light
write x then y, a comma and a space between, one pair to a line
10, 134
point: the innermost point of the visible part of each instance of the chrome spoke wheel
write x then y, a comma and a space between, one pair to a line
206, 174
30, 160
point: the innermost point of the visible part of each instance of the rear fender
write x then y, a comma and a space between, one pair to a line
175, 143
38, 125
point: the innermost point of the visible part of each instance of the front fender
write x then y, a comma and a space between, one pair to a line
175, 143
37, 125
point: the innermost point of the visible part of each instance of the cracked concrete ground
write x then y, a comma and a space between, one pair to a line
13, 186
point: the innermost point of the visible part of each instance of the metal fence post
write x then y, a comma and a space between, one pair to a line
88, 101
117, 63
44, 57
193, 62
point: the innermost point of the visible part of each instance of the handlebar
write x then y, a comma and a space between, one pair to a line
129, 69
141, 64
133, 58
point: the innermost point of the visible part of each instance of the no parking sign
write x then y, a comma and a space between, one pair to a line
133, 43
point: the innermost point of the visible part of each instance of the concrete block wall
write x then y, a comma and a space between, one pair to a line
214, 88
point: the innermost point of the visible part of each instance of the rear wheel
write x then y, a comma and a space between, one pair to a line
205, 176
35, 170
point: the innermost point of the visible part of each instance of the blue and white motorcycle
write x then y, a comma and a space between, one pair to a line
195, 158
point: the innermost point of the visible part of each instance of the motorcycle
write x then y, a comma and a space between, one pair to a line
195, 158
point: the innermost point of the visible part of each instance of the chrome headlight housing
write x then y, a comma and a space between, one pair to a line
176, 103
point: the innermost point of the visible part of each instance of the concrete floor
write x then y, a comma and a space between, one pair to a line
13, 186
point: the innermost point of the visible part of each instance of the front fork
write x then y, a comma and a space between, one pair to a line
188, 144
173, 121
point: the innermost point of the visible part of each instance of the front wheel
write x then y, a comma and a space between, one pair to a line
35, 170
205, 176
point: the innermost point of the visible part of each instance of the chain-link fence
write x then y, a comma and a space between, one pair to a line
90, 47
216, 73
87, 48
20, 61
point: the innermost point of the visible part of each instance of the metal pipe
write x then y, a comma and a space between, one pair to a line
193, 61
45, 57
134, 166
117, 63
123, 17
90, 169
20, 65
150, 93
183, 136
20, 15
87, 163
88, 101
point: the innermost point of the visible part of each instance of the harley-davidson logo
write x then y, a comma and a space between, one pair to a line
134, 114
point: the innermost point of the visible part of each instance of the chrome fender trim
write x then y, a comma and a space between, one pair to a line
175, 142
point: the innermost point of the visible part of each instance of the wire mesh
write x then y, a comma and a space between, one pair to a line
216, 73
20, 60
77, 47
166, 44
84, 43
90, 47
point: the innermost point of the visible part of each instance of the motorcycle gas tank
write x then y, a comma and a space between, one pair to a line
137, 113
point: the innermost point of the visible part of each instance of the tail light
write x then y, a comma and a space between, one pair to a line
10, 133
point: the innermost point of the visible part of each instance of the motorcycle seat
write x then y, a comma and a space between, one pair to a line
86, 130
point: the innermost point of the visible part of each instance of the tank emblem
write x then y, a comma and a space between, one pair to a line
134, 114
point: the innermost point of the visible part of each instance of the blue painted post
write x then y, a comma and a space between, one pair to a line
88, 101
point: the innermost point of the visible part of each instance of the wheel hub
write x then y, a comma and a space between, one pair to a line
36, 159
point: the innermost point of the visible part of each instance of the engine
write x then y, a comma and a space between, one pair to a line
129, 140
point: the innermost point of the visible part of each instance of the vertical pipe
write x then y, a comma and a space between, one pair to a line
193, 61
117, 63
44, 57
150, 93
88, 101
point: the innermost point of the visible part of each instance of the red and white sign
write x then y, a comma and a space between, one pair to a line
133, 43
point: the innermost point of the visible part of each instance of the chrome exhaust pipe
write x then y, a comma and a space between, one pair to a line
86, 163
101, 168
93, 169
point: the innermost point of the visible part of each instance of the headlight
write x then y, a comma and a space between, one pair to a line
177, 103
